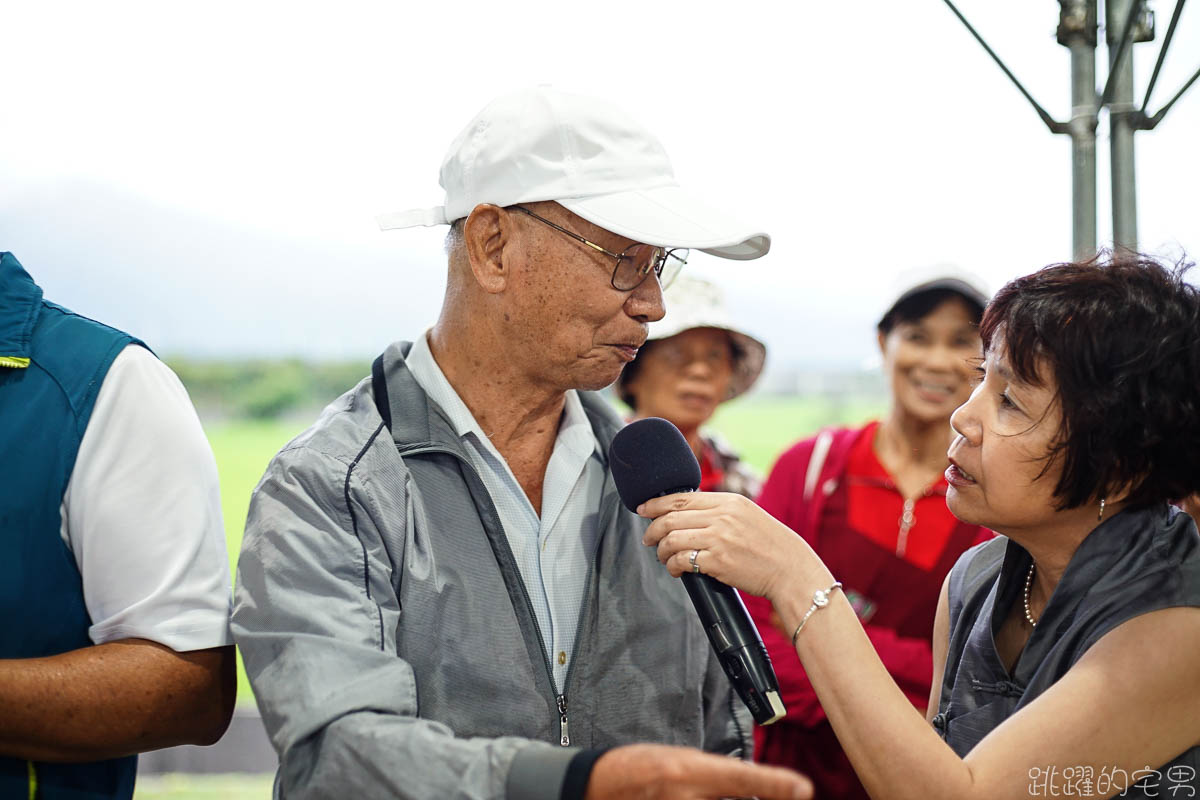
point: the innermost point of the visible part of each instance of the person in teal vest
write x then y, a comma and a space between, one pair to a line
114, 582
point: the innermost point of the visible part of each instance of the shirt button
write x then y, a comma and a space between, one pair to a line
562, 657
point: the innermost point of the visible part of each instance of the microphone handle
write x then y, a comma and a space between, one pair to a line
738, 646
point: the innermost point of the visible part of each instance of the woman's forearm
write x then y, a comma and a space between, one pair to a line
908, 659
895, 752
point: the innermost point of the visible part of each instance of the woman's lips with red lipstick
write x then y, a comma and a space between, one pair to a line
957, 476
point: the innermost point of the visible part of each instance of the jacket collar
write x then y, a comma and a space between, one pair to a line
20, 300
424, 423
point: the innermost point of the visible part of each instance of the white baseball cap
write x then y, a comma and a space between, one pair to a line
591, 158
912, 282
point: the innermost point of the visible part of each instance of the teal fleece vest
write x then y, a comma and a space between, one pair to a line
52, 363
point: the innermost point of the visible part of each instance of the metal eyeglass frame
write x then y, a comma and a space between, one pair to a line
656, 266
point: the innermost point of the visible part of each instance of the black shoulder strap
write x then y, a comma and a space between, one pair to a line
379, 387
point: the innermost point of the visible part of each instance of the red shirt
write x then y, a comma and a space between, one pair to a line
711, 475
916, 531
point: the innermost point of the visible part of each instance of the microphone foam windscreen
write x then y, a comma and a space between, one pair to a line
649, 458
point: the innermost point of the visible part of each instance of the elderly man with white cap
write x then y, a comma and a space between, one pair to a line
439, 593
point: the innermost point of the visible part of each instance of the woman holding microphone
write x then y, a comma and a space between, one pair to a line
1067, 651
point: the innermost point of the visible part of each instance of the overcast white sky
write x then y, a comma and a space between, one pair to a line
207, 174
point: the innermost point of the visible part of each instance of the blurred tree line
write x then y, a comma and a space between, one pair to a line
265, 388
270, 388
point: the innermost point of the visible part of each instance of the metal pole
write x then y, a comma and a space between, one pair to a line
1162, 53
1122, 124
1077, 31
1051, 123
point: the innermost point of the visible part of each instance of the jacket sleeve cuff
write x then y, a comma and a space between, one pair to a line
579, 772
537, 773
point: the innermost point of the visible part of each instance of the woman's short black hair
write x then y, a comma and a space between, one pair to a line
1121, 338
917, 306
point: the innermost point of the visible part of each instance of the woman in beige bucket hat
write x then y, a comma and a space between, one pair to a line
694, 360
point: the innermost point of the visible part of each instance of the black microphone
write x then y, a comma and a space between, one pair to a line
650, 458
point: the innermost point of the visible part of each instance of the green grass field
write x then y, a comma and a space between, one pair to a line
242, 450
203, 787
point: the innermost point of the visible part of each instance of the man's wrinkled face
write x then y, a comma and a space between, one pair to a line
566, 322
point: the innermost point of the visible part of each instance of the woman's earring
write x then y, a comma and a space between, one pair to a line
1100, 516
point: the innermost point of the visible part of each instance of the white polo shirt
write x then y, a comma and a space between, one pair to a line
142, 513
553, 552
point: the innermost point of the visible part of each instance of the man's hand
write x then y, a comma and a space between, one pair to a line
661, 772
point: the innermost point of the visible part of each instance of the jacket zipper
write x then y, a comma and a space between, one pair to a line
560, 699
564, 734
564, 737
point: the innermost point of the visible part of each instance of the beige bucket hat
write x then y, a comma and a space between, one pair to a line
696, 303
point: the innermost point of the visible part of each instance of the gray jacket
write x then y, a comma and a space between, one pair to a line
392, 646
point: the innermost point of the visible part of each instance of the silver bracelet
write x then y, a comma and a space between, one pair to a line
820, 600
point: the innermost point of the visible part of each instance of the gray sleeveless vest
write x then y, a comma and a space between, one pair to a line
1131, 564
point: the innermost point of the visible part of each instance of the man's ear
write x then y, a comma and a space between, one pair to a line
488, 235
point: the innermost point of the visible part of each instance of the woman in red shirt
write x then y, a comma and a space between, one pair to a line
871, 501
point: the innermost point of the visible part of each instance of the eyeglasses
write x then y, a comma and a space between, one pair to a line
634, 263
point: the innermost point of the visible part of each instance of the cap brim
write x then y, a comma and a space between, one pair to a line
954, 284
964, 288
668, 216
425, 217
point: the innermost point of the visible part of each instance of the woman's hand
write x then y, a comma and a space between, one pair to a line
739, 544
